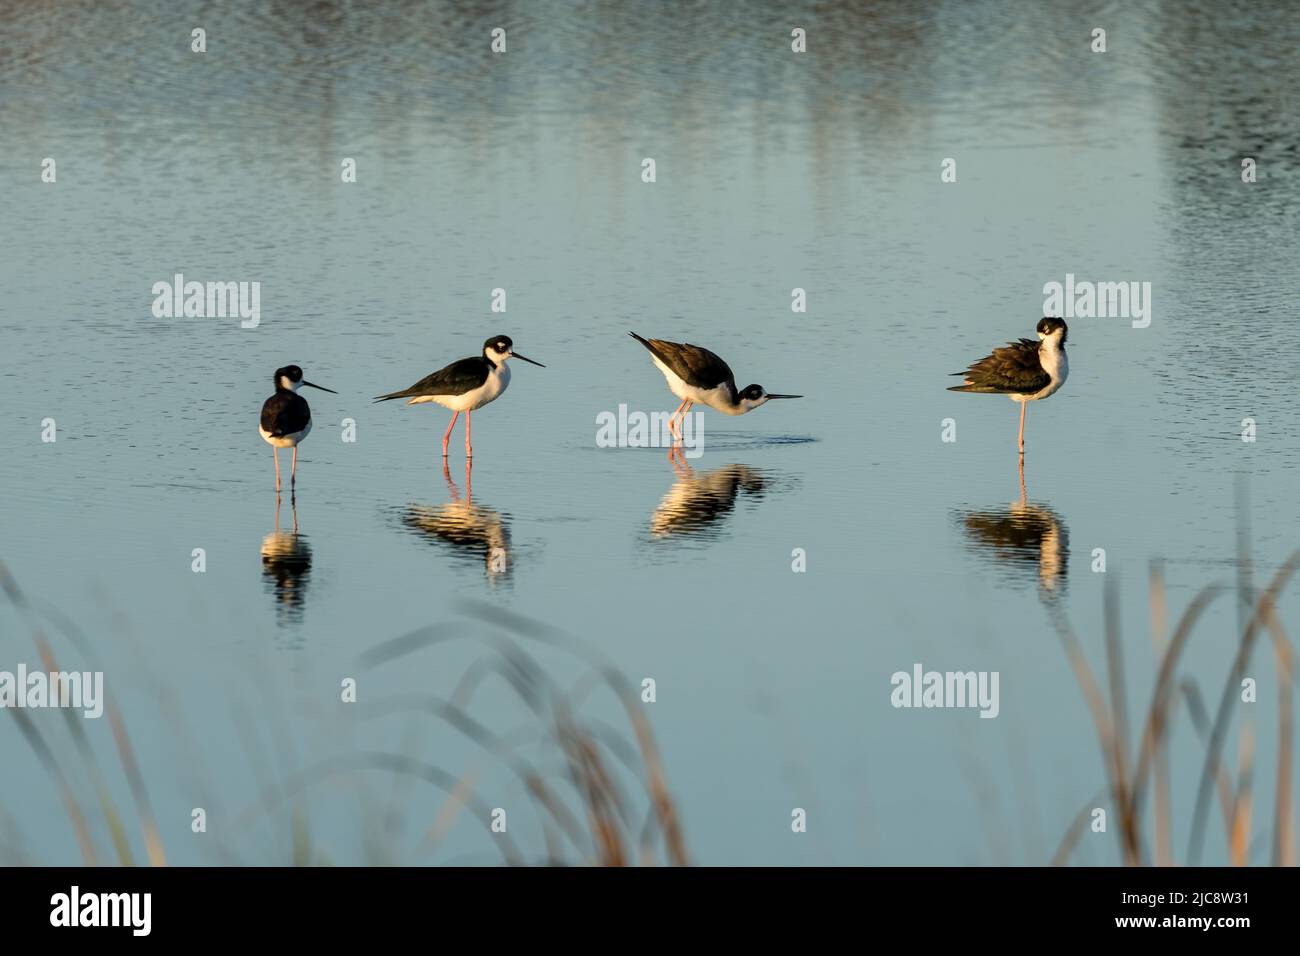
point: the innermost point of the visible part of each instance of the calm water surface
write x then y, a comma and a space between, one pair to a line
522, 171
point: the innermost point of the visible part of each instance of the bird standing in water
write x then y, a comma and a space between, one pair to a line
700, 377
286, 417
465, 385
1024, 370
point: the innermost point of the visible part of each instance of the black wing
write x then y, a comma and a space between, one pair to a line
1013, 369
456, 379
694, 365
285, 414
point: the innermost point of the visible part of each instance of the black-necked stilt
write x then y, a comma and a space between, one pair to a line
286, 418
1024, 370
465, 385
699, 377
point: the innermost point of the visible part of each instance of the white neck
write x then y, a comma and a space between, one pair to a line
1051, 355
289, 384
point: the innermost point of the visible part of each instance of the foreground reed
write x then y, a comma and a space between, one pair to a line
607, 803
1135, 769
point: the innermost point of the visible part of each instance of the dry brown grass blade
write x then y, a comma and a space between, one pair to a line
1283, 809
1200, 718
112, 818
1158, 715
1128, 790
1239, 825
590, 777
657, 782
450, 809
661, 805
1130, 838
299, 780
1096, 700
1075, 830
1263, 607
597, 789
560, 813
121, 739
1159, 606
43, 753
131, 767
496, 746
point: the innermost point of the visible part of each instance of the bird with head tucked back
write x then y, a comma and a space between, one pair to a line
1024, 370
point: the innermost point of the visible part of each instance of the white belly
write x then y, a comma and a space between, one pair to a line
284, 441
492, 389
718, 397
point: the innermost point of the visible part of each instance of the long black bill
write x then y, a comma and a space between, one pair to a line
784, 396
321, 387
526, 359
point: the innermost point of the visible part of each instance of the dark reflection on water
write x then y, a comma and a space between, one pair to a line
286, 568
474, 533
1026, 541
699, 503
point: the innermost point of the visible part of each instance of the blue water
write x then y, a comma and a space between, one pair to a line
522, 171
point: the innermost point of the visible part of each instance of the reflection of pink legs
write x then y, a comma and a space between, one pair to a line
1022, 428
276, 452
451, 485
469, 449
447, 437
679, 461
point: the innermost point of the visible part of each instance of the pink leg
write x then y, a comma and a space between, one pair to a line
672, 426
277, 467
293, 475
447, 437
469, 448
1022, 428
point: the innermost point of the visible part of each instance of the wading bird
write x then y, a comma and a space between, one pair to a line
699, 377
1024, 370
286, 418
465, 385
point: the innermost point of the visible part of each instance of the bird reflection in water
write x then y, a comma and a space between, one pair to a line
1025, 538
698, 502
286, 567
472, 530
